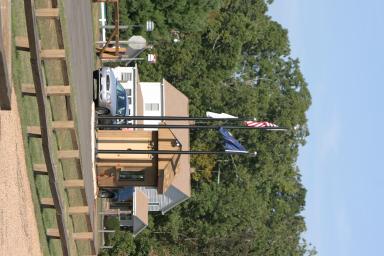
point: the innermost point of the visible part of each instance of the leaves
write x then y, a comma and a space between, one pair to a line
232, 57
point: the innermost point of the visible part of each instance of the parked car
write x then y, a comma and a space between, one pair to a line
103, 193
109, 95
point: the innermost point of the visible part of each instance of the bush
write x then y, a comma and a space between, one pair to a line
112, 223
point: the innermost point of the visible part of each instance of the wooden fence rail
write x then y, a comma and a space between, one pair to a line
45, 125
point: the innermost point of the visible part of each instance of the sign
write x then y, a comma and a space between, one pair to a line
137, 43
150, 26
151, 58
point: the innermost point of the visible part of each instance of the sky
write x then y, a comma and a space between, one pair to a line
340, 44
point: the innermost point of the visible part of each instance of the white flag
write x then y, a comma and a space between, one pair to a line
217, 115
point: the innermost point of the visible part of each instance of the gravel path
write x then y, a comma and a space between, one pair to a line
18, 228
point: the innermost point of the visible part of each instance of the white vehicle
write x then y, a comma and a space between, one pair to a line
108, 94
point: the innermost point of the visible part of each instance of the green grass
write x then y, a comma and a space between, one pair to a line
96, 30
100, 206
29, 116
55, 73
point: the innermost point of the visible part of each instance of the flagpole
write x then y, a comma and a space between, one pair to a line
182, 126
168, 152
175, 118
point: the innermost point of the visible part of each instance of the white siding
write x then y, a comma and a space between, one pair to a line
166, 201
152, 100
125, 72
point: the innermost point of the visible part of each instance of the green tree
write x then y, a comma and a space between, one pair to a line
122, 243
233, 58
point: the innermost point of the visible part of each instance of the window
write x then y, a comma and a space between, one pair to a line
125, 217
131, 175
129, 92
108, 82
125, 77
129, 100
121, 104
152, 106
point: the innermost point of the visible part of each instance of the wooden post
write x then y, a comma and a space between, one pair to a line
57, 125
68, 154
43, 106
116, 32
22, 43
58, 90
52, 54
83, 236
78, 210
52, 90
53, 233
34, 131
40, 168
47, 202
106, 231
47, 13
117, 22
111, 212
74, 183
5, 84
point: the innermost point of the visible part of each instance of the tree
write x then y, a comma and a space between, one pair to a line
122, 243
234, 58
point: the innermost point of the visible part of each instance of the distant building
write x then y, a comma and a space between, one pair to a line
144, 98
127, 76
158, 182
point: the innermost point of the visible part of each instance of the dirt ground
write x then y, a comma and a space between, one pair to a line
18, 229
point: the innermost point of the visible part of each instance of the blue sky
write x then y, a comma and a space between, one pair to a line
341, 48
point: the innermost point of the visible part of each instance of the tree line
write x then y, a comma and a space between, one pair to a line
230, 57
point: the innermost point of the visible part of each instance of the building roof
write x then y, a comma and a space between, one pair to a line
168, 165
140, 212
176, 187
179, 187
177, 104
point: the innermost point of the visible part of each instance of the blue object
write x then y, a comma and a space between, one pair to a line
124, 194
230, 143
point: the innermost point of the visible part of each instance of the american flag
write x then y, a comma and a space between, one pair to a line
259, 124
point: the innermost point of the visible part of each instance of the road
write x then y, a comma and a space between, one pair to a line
80, 35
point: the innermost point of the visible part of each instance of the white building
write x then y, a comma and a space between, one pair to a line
164, 189
153, 100
151, 94
127, 76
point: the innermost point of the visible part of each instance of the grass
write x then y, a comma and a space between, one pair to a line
96, 30
100, 206
29, 116
56, 73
